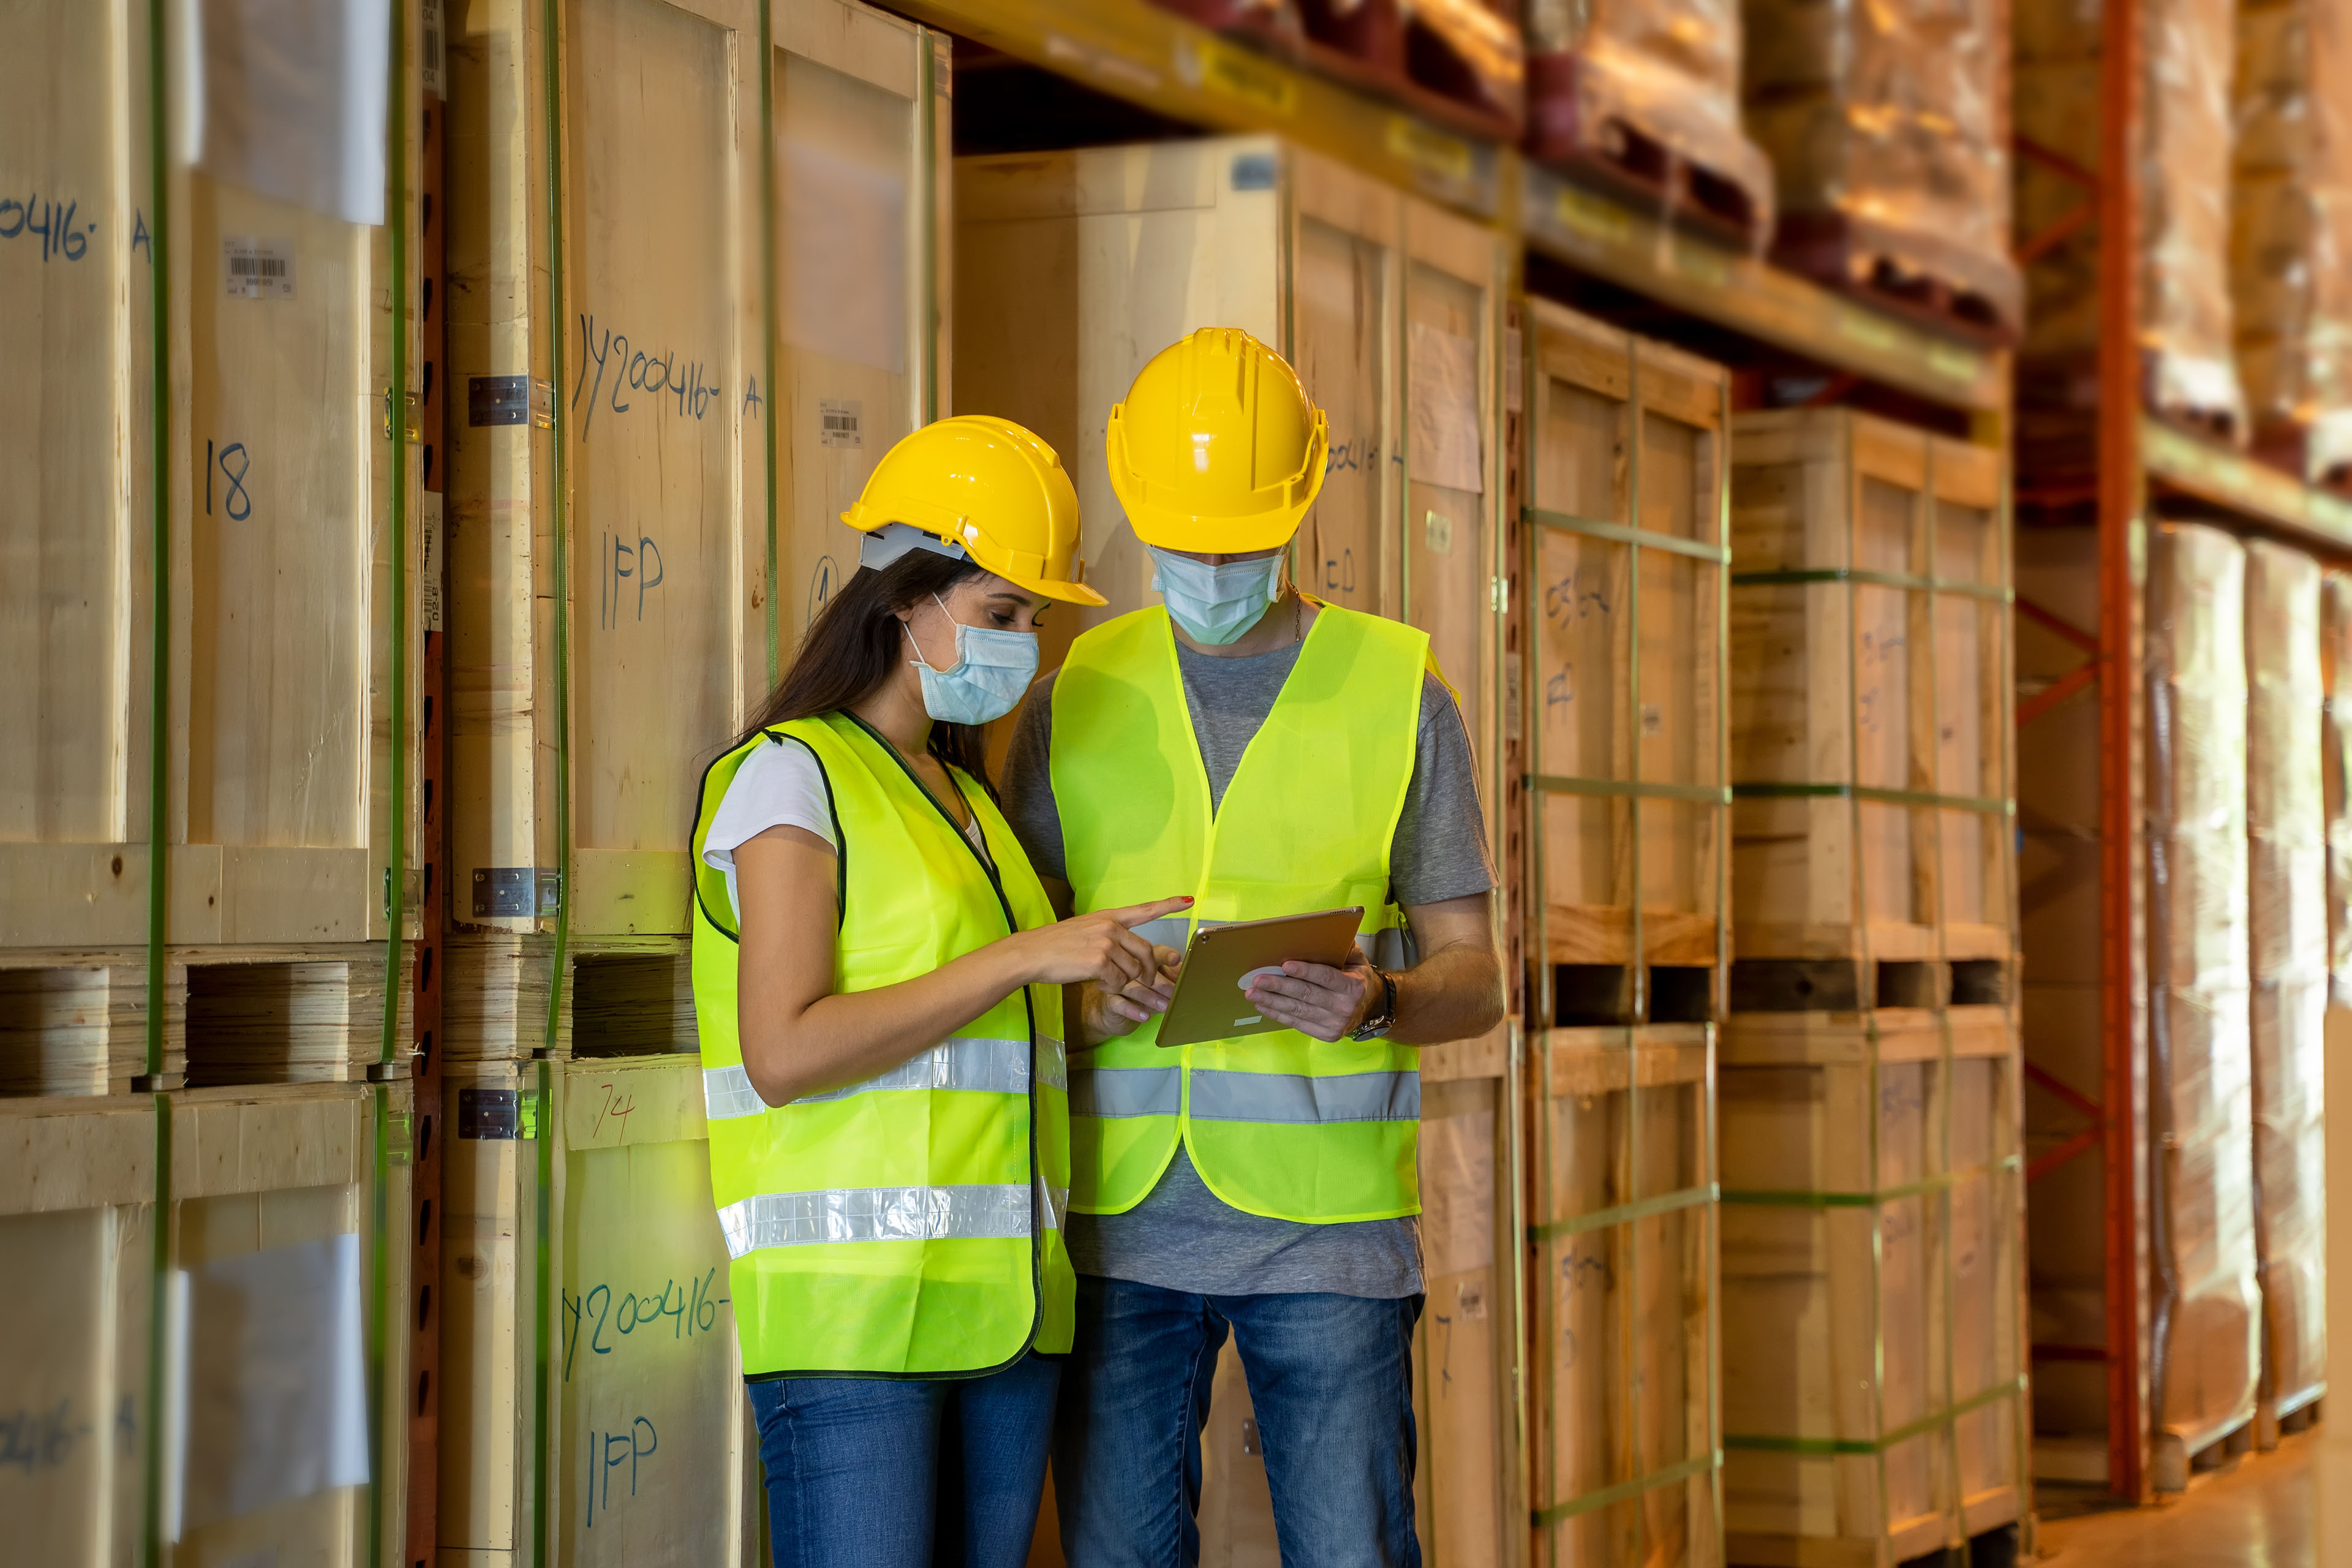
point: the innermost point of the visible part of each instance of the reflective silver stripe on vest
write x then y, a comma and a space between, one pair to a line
1053, 1066
1285, 1096
1056, 1204
876, 1214
987, 1067
1126, 1092
727, 1093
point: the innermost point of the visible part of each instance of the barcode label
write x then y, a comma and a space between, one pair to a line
436, 63
428, 564
838, 421
258, 268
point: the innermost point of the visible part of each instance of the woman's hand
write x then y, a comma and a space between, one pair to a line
1101, 947
1315, 998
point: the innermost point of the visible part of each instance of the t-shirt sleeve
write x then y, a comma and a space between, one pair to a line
1027, 795
779, 785
1440, 848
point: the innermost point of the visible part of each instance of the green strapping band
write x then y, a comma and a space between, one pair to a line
1834, 1447
552, 93
1647, 539
1797, 1199
1987, 805
158, 773
395, 210
1992, 591
542, 1266
1624, 1214
1623, 1490
1642, 789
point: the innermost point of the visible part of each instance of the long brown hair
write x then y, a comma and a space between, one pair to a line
855, 644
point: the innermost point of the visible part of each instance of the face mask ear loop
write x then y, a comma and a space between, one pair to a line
919, 661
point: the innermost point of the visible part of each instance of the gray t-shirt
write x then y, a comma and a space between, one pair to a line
1182, 1236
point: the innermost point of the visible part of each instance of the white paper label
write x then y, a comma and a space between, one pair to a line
845, 253
1438, 529
436, 51
429, 568
288, 99
258, 268
1444, 449
838, 421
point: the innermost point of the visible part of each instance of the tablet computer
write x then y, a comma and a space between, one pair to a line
1210, 1004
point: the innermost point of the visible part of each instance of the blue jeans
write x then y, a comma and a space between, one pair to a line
1331, 1381
906, 1473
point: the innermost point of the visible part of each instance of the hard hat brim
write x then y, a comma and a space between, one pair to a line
1063, 593
1215, 535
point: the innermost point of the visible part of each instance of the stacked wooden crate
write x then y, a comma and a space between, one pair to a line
2286, 838
203, 811
1623, 558
671, 393
1092, 261
1873, 1354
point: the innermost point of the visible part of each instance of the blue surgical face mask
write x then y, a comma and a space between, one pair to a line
1215, 604
991, 670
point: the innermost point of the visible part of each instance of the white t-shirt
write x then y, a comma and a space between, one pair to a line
779, 785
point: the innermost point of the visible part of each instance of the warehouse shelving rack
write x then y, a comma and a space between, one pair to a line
2142, 466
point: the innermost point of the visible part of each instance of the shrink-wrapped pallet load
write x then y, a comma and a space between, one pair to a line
2291, 230
1645, 94
2286, 829
2187, 51
2207, 1352
2336, 776
1887, 126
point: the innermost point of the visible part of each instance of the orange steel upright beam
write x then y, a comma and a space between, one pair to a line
2121, 553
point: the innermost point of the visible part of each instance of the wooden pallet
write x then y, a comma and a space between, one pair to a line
1622, 1346
74, 1022
1913, 279
272, 1216
622, 997
1597, 137
1623, 563
1873, 1401
1871, 701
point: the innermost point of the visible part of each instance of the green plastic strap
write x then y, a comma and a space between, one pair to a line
1770, 1198
1624, 1214
542, 1304
1992, 591
1648, 538
395, 861
1643, 789
1987, 805
1830, 1447
159, 773
1701, 1465
379, 1292
560, 600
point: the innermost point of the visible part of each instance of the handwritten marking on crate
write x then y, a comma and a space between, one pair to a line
634, 370
1340, 573
607, 1452
39, 1440
597, 1314
237, 496
55, 228
1572, 598
627, 560
752, 404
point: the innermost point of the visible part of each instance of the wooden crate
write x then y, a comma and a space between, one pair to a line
1871, 707
1874, 1387
1464, 1351
1626, 553
1085, 264
2335, 749
2204, 1281
633, 549
276, 657
644, 1447
622, 997
274, 1294
2287, 836
1620, 1258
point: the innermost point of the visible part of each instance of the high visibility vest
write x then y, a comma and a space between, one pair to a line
910, 1224
1278, 1124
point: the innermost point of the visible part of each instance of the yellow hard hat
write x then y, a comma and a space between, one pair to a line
1216, 447
981, 486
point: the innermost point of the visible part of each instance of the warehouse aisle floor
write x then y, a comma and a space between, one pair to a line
2258, 1515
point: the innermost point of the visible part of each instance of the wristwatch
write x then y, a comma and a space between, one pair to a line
1382, 1021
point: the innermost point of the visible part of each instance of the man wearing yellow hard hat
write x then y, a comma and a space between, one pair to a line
1271, 755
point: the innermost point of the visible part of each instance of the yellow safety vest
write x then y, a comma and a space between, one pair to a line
909, 1226
1279, 1124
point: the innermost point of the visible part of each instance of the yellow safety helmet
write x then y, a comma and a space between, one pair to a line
1216, 447
981, 486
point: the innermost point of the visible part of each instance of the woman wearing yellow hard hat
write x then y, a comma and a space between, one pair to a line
1273, 755
878, 978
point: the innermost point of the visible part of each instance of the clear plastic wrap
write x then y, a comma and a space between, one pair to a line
1665, 69
2207, 1345
1887, 125
2188, 48
2290, 226
2336, 776
2286, 836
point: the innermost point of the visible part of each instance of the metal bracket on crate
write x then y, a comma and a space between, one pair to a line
492, 400
516, 892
